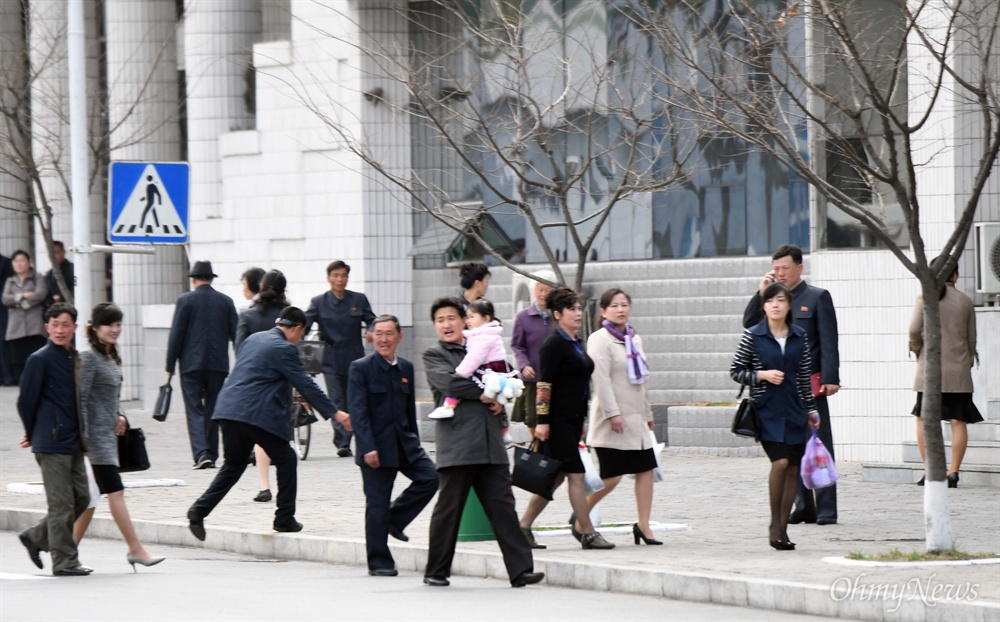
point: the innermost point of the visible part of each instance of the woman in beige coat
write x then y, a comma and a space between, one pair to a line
23, 295
620, 414
958, 354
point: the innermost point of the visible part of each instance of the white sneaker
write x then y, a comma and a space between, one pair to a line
442, 412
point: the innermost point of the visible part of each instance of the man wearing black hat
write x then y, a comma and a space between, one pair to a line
204, 325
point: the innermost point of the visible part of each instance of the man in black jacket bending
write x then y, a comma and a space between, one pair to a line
812, 309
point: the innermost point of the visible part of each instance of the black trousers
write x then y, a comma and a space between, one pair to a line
238, 439
492, 484
336, 388
201, 389
821, 503
381, 511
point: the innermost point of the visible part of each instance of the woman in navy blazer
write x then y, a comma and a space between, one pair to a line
769, 352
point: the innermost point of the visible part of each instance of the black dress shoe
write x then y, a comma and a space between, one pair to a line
782, 546
344, 452
196, 524
826, 521
74, 571
263, 496
572, 528
292, 527
383, 572
527, 578
437, 581
32, 548
397, 534
799, 516
922, 480
953, 480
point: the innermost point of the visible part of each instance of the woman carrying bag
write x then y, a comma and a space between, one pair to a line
100, 392
563, 392
773, 359
621, 417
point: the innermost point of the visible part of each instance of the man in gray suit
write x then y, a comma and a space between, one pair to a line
204, 325
254, 408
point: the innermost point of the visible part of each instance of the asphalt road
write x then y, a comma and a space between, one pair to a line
195, 584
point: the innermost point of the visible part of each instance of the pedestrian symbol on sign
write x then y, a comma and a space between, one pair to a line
148, 213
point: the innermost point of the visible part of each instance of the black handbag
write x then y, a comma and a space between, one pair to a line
132, 454
746, 422
163, 401
534, 471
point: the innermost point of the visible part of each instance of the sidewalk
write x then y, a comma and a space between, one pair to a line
723, 558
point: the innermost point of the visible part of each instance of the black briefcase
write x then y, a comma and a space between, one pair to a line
132, 454
163, 401
534, 471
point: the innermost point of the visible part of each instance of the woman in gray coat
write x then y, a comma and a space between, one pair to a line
958, 353
23, 295
100, 390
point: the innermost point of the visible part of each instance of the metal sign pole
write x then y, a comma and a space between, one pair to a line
78, 163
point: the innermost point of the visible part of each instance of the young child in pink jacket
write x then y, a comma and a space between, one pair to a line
484, 354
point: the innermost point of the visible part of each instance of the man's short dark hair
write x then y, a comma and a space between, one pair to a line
387, 317
788, 250
291, 316
58, 244
337, 265
447, 301
58, 309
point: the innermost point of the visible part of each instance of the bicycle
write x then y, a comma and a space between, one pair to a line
311, 353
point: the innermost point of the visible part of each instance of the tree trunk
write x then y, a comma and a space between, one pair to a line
936, 521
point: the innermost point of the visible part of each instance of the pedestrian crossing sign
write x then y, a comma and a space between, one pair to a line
148, 202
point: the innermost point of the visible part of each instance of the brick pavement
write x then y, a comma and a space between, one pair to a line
724, 500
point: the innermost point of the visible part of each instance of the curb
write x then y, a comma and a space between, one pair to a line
773, 595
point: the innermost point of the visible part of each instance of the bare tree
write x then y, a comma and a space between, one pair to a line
864, 84
35, 152
527, 126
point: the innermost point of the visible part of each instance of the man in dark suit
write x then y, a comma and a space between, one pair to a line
380, 396
254, 408
68, 273
204, 325
6, 363
812, 308
340, 314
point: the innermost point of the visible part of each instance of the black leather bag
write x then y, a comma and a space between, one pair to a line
163, 401
132, 454
746, 422
534, 471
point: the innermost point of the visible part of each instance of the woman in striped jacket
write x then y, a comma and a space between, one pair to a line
768, 353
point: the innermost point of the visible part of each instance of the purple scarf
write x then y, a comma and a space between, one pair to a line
638, 369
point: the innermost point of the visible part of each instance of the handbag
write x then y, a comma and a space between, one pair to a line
162, 406
132, 454
534, 471
746, 422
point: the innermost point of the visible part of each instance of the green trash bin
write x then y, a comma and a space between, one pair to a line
475, 527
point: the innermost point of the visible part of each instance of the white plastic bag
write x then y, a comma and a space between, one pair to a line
592, 481
657, 448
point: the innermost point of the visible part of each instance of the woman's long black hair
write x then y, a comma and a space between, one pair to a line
773, 290
272, 291
103, 314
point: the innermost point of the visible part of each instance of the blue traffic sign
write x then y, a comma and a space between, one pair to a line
148, 202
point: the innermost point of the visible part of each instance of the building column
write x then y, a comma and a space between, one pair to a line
143, 110
15, 221
50, 141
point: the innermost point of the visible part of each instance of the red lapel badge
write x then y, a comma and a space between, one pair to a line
803, 309
406, 380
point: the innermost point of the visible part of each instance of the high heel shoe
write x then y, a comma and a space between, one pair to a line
152, 561
953, 480
637, 534
782, 546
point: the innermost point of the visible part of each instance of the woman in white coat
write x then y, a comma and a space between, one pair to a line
620, 415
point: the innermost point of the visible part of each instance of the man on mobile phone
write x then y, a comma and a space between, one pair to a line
812, 309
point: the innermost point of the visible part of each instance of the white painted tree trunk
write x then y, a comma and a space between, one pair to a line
936, 522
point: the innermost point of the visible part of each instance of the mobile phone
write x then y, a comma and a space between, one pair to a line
773, 279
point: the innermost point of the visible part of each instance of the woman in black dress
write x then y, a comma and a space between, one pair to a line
563, 392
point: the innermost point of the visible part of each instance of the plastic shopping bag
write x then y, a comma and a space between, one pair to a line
592, 481
818, 470
657, 448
